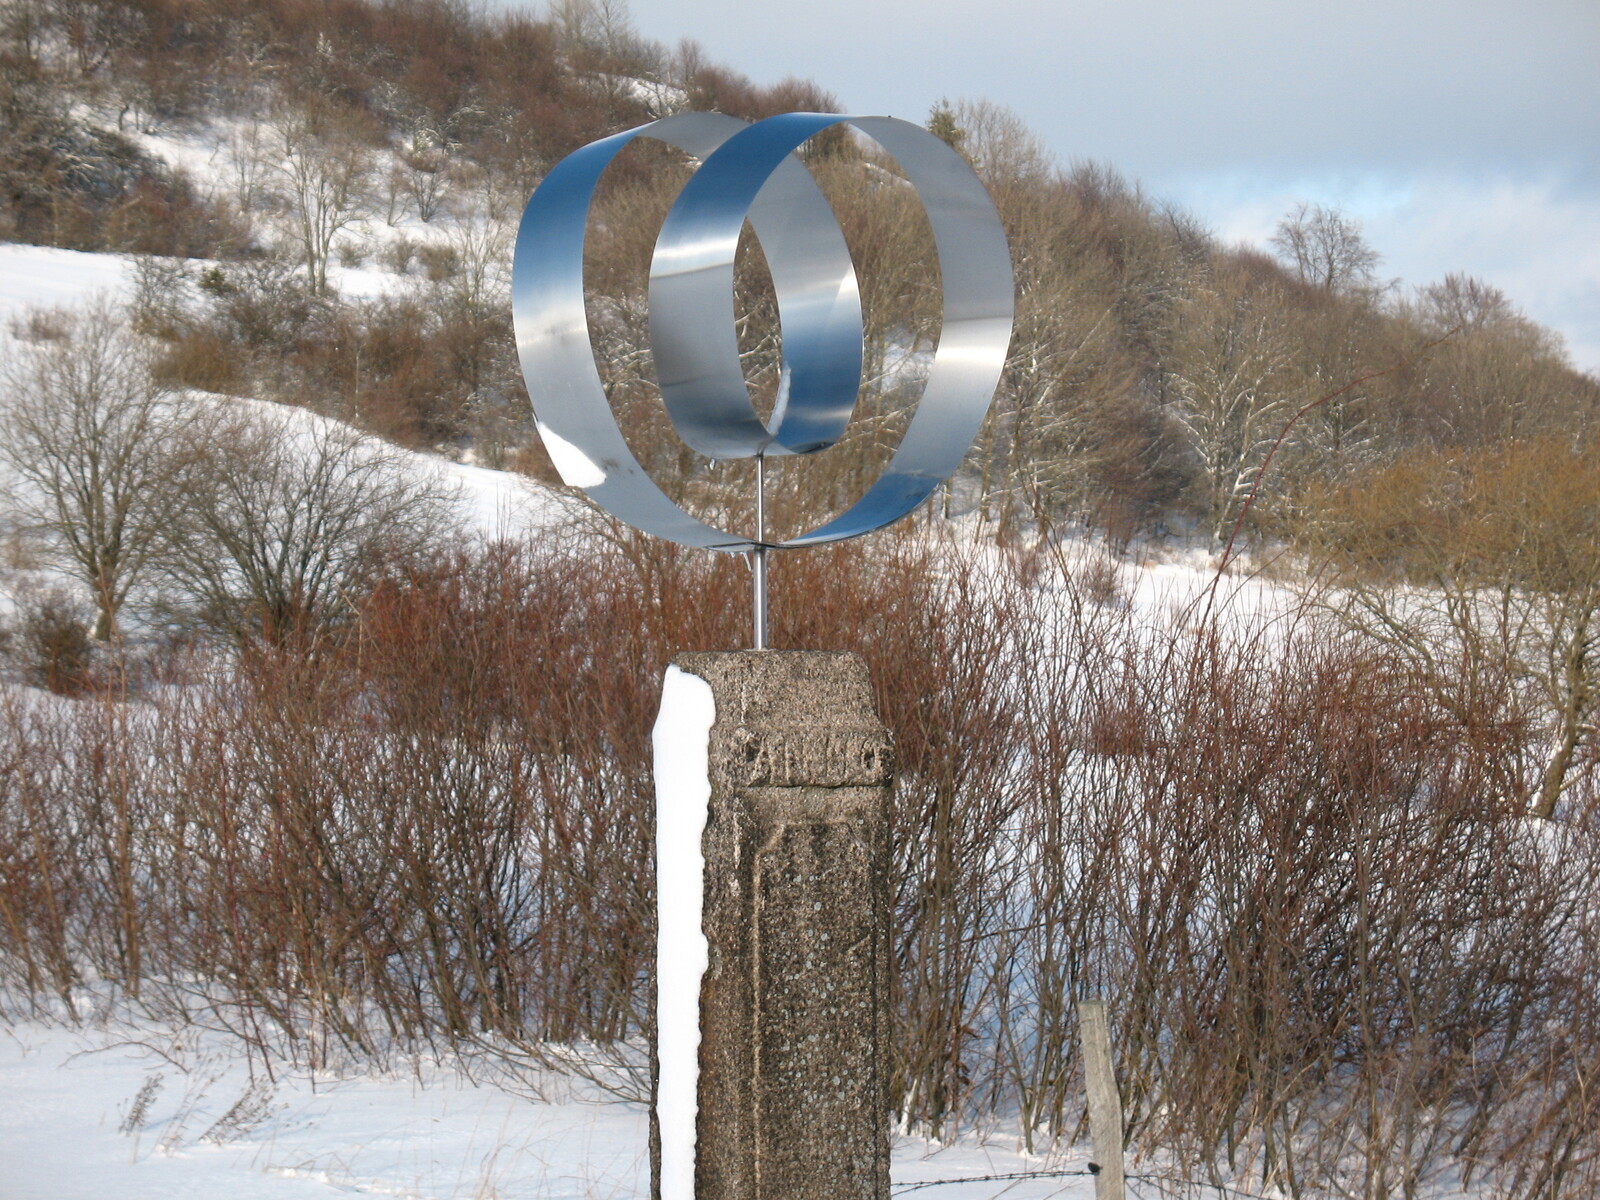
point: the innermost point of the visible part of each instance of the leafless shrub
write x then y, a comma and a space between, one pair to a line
280, 515
42, 325
139, 1109
250, 1110
160, 287
439, 263
200, 358
1338, 962
53, 637
399, 253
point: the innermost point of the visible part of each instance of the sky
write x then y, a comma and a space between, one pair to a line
1462, 135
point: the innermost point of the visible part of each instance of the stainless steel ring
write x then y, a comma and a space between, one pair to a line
750, 172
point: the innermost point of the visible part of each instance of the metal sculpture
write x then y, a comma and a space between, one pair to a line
750, 172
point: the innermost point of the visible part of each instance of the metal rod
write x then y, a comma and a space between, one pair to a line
759, 606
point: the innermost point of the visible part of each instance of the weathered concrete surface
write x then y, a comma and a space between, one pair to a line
794, 1044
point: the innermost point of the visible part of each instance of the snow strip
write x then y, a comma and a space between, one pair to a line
682, 741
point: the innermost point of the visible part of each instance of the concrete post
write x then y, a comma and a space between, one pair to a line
794, 1046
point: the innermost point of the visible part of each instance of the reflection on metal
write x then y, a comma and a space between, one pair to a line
751, 173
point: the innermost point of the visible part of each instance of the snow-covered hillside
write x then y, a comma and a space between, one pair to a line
131, 1109
38, 282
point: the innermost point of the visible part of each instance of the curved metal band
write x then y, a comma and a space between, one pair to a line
692, 330
749, 172
547, 310
974, 264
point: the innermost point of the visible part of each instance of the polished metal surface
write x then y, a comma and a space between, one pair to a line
751, 173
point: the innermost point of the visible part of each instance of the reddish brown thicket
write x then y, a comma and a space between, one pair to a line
1336, 963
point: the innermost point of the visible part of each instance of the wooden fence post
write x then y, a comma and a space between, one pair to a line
1105, 1105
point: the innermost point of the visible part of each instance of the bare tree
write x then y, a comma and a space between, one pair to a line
323, 170
1499, 375
1460, 301
998, 143
86, 431
246, 157
421, 173
603, 28
1233, 394
282, 511
1326, 248
23, 23
1041, 443
481, 280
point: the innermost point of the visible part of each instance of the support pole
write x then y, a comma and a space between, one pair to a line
759, 560
760, 604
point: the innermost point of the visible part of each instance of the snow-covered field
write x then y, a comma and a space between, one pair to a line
42, 277
145, 1112
120, 1111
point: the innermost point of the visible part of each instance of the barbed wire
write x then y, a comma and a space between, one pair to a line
1222, 1190
1009, 1176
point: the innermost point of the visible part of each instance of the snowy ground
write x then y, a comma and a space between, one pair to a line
42, 277
72, 1127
